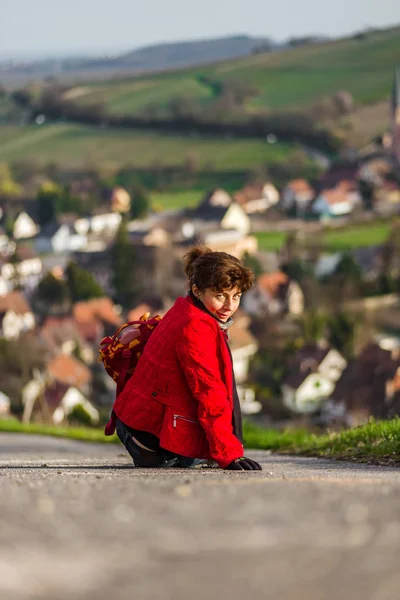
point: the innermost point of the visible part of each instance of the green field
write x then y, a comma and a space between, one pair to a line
176, 200
370, 234
75, 145
289, 78
270, 241
337, 240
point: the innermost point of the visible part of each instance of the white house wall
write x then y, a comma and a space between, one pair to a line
236, 218
12, 325
309, 395
333, 365
241, 359
24, 227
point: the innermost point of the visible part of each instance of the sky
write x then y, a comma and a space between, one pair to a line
39, 28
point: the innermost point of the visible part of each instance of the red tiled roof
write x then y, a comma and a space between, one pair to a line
14, 301
102, 309
240, 337
248, 193
271, 282
136, 313
57, 330
335, 196
69, 371
300, 185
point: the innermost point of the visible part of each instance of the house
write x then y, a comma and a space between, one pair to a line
120, 200
24, 227
98, 263
243, 347
5, 405
16, 316
338, 201
63, 334
231, 241
368, 387
4, 239
51, 400
297, 196
327, 264
25, 268
387, 198
67, 370
311, 378
156, 236
274, 293
96, 318
257, 198
100, 223
59, 238
370, 259
62, 399
218, 209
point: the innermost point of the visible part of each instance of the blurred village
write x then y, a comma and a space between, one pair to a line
316, 342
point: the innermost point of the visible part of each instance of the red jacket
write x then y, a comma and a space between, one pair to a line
181, 390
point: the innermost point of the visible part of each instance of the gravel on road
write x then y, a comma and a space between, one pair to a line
78, 521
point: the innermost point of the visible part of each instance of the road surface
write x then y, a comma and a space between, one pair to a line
78, 521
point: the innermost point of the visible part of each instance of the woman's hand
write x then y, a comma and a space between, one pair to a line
244, 464
128, 334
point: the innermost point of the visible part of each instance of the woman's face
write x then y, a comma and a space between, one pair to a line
221, 304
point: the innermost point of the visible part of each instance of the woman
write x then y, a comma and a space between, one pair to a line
181, 403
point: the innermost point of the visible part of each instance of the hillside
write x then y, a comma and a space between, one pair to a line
289, 78
75, 145
150, 58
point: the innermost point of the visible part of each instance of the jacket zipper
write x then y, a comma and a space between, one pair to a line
183, 419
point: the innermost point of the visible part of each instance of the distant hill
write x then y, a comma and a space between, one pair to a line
157, 57
167, 56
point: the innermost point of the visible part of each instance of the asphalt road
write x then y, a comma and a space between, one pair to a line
78, 521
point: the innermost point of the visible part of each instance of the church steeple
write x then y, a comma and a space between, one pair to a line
396, 115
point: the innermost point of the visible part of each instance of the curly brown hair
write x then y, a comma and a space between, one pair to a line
216, 270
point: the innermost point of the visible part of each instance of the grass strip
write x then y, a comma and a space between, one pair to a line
83, 434
375, 442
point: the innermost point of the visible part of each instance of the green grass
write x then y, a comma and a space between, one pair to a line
84, 434
337, 240
73, 145
289, 78
270, 240
369, 234
176, 200
377, 441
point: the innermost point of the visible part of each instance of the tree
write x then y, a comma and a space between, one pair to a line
8, 187
81, 284
18, 359
314, 326
140, 201
51, 290
22, 98
342, 329
123, 263
252, 263
49, 200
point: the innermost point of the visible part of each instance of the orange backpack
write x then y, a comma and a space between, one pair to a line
119, 358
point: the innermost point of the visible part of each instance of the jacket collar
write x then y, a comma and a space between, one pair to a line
224, 325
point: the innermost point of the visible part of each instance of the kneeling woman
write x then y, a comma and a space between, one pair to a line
181, 403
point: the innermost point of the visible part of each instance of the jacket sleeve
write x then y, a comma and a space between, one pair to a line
197, 352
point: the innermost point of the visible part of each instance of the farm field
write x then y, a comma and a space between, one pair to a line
290, 78
338, 240
73, 145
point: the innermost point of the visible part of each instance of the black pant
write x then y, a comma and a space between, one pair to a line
144, 458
